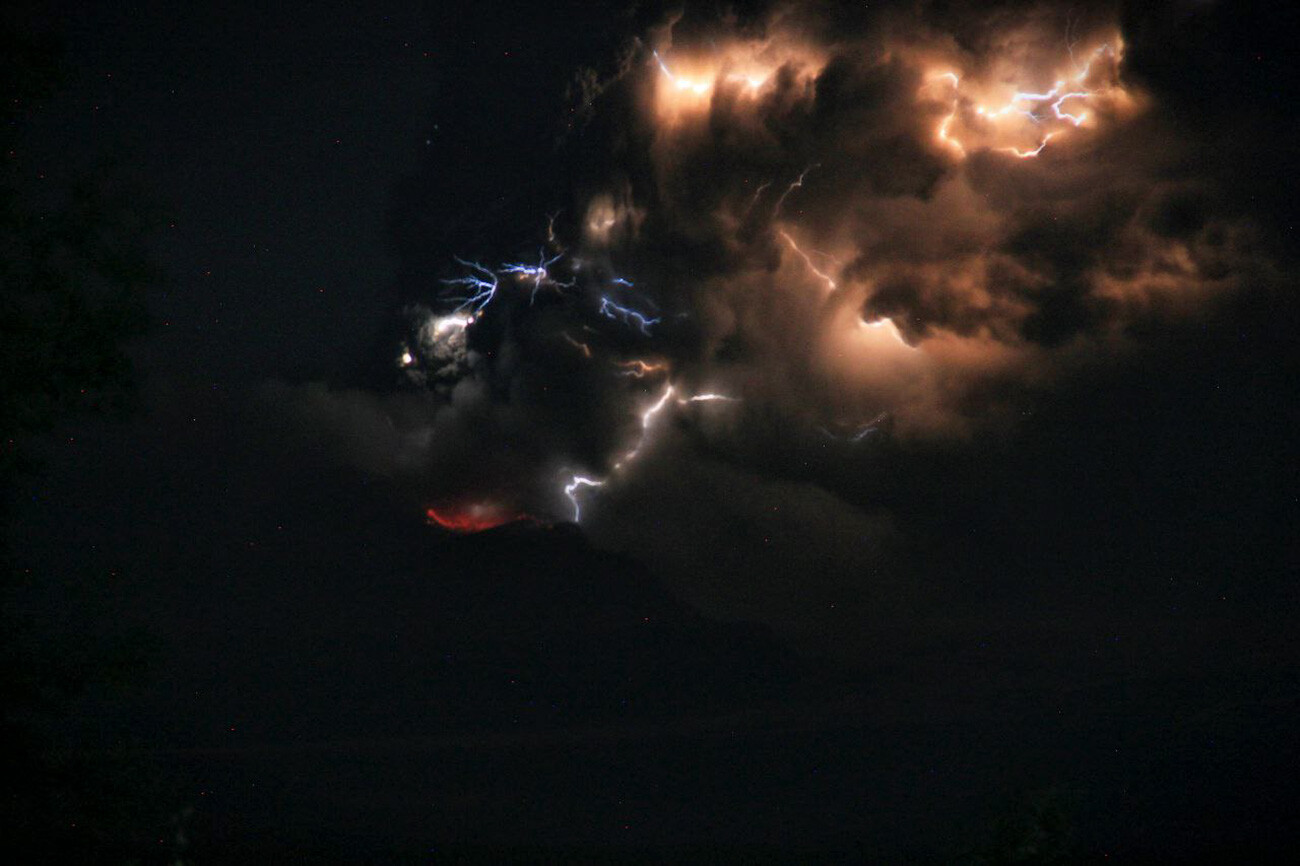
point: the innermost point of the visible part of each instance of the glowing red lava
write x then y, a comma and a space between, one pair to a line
472, 518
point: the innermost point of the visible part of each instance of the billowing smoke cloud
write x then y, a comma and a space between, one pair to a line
802, 232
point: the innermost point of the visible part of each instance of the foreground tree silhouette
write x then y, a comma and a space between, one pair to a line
73, 272
72, 275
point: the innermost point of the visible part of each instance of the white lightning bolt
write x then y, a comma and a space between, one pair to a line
798, 182
1029, 104
753, 201
1028, 154
648, 416
571, 491
707, 398
830, 282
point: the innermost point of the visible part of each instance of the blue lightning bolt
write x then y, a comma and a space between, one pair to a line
861, 433
484, 290
538, 272
629, 316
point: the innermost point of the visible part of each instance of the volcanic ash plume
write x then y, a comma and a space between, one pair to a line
809, 233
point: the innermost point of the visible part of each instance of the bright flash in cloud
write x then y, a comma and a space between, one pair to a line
1023, 122
689, 81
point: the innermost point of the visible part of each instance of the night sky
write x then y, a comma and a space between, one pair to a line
795, 432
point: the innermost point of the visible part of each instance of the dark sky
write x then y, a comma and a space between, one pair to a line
1058, 574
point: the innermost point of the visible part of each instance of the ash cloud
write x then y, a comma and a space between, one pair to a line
913, 221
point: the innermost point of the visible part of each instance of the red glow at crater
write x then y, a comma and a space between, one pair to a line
472, 518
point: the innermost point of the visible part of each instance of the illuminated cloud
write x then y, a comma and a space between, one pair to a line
855, 225
438, 350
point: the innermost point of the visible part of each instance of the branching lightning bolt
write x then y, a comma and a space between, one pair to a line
571, 491
1029, 104
648, 416
538, 272
483, 283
